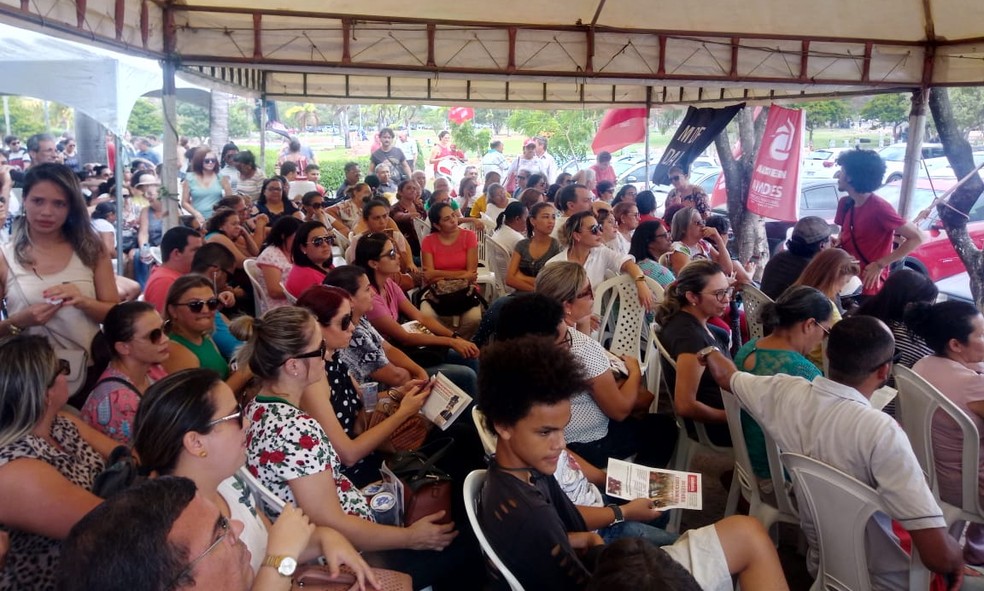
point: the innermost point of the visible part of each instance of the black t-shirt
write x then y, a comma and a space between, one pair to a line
782, 271
683, 333
395, 158
527, 525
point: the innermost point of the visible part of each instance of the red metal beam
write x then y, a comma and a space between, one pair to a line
735, 43
866, 64
804, 60
431, 33
170, 33
80, 6
589, 51
144, 24
661, 68
511, 66
257, 36
118, 16
346, 41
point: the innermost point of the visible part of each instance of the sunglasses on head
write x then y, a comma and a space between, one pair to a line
236, 416
321, 240
196, 306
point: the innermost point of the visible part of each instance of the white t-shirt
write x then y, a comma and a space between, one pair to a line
507, 238
588, 422
600, 261
104, 227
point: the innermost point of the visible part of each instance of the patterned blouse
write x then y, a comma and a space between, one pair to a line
112, 404
32, 561
347, 404
283, 443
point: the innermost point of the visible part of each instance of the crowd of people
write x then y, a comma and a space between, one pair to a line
279, 310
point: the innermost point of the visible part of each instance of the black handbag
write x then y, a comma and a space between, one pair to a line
426, 488
452, 297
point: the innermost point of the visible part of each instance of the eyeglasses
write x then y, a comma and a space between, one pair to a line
587, 292
595, 229
317, 205
197, 305
390, 254
237, 416
321, 241
567, 340
320, 351
675, 177
826, 331
210, 161
722, 295
64, 368
224, 526
522, 178
154, 336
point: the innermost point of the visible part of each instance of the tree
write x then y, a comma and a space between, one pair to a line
497, 118
468, 139
823, 114
666, 118
192, 121
241, 119
435, 118
303, 116
218, 129
968, 109
954, 217
569, 132
887, 109
26, 117
146, 118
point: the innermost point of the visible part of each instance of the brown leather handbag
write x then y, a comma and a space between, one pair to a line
426, 488
317, 578
408, 436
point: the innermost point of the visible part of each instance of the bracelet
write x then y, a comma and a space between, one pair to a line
394, 394
13, 329
640, 278
455, 335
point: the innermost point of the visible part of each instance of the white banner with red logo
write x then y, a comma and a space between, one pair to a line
775, 187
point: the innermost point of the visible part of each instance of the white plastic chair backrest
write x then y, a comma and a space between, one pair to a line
422, 228
473, 490
654, 364
255, 275
743, 463
290, 297
483, 240
840, 507
627, 336
270, 500
499, 263
917, 403
341, 239
753, 299
155, 252
489, 439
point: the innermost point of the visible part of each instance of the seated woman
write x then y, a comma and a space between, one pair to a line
700, 292
450, 252
369, 356
254, 227
225, 228
349, 212
189, 313
627, 220
531, 254
955, 332
799, 321
649, 242
693, 241
342, 414
582, 236
510, 226
275, 262
191, 425
48, 462
602, 424
444, 348
902, 289
375, 219
137, 346
273, 202
407, 208
285, 351
829, 272
311, 254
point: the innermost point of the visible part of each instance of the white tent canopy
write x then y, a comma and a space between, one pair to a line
546, 54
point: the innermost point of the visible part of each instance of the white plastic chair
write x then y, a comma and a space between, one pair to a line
272, 504
341, 241
473, 490
753, 299
687, 448
488, 438
483, 240
840, 507
255, 275
766, 513
290, 297
155, 252
616, 303
422, 228
499, 263
918, 402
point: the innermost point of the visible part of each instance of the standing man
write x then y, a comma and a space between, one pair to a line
15, 152
409, 147
353, 175
494, 160
527, 162
145, 151
832, 420
397, 160
548, 166
868, 222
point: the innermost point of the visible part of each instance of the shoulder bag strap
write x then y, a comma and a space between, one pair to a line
850, 210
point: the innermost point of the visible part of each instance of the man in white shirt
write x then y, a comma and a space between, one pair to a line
832, 420
528, 162
548, 166
494, 160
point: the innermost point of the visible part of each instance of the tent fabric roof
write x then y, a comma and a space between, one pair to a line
546, 54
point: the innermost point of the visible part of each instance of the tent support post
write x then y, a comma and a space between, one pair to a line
649, 106
172, 205
263, 124
913, 149
120, 262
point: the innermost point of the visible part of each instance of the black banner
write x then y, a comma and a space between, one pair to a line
696, 132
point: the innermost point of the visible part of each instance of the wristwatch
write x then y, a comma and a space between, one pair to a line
619, 518
285, 565
703, 353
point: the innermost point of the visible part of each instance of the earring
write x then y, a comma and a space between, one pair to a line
203, 454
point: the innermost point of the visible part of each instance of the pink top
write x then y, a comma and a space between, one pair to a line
112, 405
272, 257
450, 257
603, 173
380, 307
867, 232
159, 282
962, 384
300, 278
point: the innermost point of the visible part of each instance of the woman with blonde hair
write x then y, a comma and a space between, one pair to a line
829, 272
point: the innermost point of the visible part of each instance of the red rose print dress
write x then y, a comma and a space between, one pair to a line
284, 443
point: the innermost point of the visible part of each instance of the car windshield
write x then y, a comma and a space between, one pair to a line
821, 155
894, 153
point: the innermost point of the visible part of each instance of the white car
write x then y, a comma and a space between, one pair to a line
821, 163
894, 157
955, 287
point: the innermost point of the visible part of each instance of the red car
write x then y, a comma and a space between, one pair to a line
935, 257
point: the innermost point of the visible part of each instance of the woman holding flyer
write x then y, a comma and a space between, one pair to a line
343, 414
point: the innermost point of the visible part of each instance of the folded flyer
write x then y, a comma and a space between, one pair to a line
445, 403
668, 489
415, 327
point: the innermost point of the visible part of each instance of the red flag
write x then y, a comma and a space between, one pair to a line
461, 114
620, 128
775, 188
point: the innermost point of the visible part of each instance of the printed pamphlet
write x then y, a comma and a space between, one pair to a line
445, 403
668, 489
415, 327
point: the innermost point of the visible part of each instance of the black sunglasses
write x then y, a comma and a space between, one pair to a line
345, 322
197, 305
317, 205
675, 177
319, 352
237, 416
595, 229
321, 240
155, 336
210, 161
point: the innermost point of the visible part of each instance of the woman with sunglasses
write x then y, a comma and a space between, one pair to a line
701, 292
530, 255
686, 193
602, 423
582, 236
275, 262
191, 425
290, 453
650, 241
692, 241
311, 253
48, 462
203, 187
830, 273
376, 219
189, 312
314, 210
137, 347
342, 414
799, 321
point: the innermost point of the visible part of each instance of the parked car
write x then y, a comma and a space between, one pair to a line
821, 163
955, 287
894, 157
